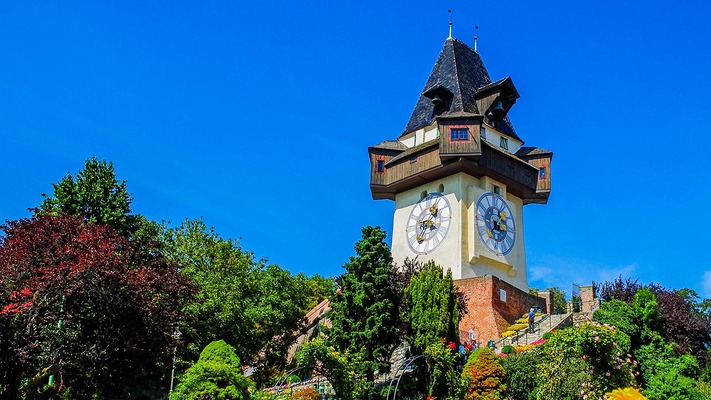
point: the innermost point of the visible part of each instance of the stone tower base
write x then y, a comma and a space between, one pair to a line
492, 305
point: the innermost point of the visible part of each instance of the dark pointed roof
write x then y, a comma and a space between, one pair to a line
459, 70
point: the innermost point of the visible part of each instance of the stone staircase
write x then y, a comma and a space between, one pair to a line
543, 324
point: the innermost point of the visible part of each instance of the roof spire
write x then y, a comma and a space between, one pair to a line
476, 33
450, 23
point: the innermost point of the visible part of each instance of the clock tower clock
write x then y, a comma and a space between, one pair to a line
460, 176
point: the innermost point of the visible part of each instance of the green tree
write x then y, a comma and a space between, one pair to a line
216, 375
95, 194
365, 310
520, 373
254, 307
338, 367
432, 308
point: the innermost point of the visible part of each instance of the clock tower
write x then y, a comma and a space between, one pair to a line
460, 176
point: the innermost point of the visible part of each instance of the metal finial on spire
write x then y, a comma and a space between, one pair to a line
450, 23
476, 34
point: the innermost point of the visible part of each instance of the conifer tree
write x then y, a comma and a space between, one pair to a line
433, 307
365, 310
96, 195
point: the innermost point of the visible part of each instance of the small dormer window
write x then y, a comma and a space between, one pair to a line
542, 173
483, 132
504, 143
457, 134
380, 167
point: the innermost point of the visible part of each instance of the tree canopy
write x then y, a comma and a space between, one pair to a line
365, 309
432, 308
255, 307
95, 194
117, 309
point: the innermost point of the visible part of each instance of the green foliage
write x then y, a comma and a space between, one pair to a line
365, 310
254, 307
338, 367
508, 349
647, 311
95, 194
664, 374
622, 316
560, 306
483, 376
591, 358
577, 303
520, 374
442, 361
216, 375
433, 308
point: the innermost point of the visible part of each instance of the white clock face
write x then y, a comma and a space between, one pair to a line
428, 223
495, 224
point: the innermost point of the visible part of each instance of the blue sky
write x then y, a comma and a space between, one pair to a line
257, 116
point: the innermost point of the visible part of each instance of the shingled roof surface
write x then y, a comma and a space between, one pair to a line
460, 70
532, 151
390, 145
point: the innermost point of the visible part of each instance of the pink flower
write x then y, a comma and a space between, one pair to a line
607, 373
591, 372
597, 338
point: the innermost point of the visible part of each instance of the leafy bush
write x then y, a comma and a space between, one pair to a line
444, 377
508, 350
620, 315
506, 334
665, 375
483, 376
216, 375
584, 360
520, 374
547, 335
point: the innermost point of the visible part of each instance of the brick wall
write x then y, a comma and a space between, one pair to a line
488, 314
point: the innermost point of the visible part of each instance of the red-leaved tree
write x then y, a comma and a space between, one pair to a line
79, 297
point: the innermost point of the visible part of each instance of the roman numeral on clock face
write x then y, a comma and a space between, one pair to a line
495, 222
428, 223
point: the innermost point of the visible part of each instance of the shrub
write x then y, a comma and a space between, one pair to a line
667, 376
520, 374
547, 335
216, 375
483, 376
444, 378
506, 334
508, 349
584, 360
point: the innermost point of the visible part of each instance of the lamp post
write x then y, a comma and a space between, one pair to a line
177, 335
